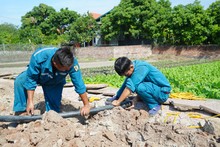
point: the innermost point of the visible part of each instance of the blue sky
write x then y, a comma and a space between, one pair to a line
12, 10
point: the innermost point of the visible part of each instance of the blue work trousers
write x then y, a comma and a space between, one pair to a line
151, 94
52, 95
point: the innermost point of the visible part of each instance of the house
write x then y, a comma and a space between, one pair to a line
98, 40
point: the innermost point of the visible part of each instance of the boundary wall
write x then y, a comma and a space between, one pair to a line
103, 53
113, 52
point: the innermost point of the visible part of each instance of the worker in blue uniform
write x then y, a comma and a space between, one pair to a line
144, 79
49, 67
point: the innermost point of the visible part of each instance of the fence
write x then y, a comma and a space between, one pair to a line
17, 52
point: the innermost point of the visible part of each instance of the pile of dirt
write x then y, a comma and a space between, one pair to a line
116, 127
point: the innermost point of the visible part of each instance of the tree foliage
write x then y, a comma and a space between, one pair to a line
44, 25
123, 22
158, 22
143, 20
190, 24
59, 22
155, 17
9, 34
214, 13
83, 29
37, 16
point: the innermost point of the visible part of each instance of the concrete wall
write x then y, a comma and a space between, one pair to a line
144, 51
133, 52
204, 51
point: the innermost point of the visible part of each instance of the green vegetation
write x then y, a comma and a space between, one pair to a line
158, 22
202, 79
9, 34
43, 25
111, 79
152, 21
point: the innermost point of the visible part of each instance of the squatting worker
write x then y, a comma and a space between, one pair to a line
144, 79
49, 68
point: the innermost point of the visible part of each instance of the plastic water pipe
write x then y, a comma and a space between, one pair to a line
20, 119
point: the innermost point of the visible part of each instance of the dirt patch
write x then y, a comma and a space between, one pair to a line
115, 127
104, 129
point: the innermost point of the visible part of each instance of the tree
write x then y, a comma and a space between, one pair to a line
214, 14
44, 25
31, 30
37, 15
190, 24
123, 22
83, 29
59, 22
137, 19
32, 35
9, 34
156, 19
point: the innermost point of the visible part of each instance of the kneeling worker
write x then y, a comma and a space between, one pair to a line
49, 68
144, 79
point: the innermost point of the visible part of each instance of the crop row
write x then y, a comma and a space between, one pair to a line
202, 78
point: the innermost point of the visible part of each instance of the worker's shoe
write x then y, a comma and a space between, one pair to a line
154, 110
110, 100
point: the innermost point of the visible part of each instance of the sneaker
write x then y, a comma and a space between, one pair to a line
154, 110
110, 100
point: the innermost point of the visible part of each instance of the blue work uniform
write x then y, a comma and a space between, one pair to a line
148, 82
40, 72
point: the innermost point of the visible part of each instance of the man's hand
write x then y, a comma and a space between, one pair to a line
126, 92
30, 103
85, 110
116, 103
30, 108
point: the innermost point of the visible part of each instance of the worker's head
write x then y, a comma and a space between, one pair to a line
123, 66
63, 59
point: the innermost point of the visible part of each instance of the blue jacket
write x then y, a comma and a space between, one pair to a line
40, 71
145, 72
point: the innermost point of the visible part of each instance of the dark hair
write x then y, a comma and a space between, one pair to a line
63, 56
68, 44
122, 64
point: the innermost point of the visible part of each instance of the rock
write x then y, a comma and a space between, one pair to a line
207, 127
95, 86
52, 116
109, 135
79, 133
211, 127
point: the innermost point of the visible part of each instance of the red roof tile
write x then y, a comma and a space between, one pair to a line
95, 15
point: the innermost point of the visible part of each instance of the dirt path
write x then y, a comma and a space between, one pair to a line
18, 67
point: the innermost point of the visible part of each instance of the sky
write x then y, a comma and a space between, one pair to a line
12, 10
